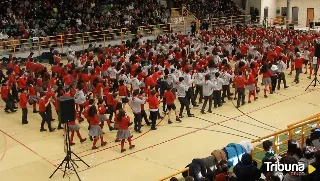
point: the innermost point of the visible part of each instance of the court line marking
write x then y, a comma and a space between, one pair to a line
22, 144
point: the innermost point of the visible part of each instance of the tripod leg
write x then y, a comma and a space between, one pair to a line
80, 159
74, 163
58, 167
76, 172
309, 85
67, 166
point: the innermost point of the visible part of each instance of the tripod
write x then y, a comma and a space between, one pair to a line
68, 161
315, 79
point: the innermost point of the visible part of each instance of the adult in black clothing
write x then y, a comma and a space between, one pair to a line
50, 56
247, 170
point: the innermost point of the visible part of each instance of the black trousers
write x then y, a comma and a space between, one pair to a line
241, 96
45, 119
164, 105
49, 112
206, 99
9, 104
137, 121
190, 97
144, 116
216, 98
153, 117
14, 92
81, 109
199, 91
24, 115
110, 111
282, 77
298, 72
226, 92
273, 82
184, 103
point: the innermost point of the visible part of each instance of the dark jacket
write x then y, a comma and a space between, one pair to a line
246, 172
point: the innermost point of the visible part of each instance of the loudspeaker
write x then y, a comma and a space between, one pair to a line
317, 50
66, 109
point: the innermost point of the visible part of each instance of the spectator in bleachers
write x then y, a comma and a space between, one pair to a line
269, 155
247, 169
173, 179
205, 9
23, 19
225, 175
308, 157
189, 178
294, 149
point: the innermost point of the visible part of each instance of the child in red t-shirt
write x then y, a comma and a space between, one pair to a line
123, 133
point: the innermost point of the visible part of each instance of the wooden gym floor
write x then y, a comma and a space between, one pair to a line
26, 154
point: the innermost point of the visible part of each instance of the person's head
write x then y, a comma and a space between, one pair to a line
181, 79
267, 145
308, 152
246, 159
121, 114
276, 176
100, 101
42, 94
91, 101
294, 148
135, 93
207, 77
173, 179
189, 178
224, 165
217, 74
121, 82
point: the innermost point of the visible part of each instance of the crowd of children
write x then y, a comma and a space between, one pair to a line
172, 69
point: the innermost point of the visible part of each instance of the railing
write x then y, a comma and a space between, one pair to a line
60, 41
298, 131
174, 174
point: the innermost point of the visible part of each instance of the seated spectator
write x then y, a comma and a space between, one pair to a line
308, 157
290, 160
206, 9
247, 170
225, 175
276, 176
294, 149
173, 179
47, 18
270, 156
189, 178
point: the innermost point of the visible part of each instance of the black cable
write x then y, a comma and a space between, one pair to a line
254, 118
244, 122
213, 131
228, 127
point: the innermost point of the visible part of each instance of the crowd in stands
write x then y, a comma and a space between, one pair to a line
208, 67
30, 18
206, 9
296, 161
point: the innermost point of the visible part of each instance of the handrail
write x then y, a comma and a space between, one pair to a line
286, 130
174, 174
276, 136
61, 40
303, 121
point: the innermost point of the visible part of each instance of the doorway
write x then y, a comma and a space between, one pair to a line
295, 15
310, 16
